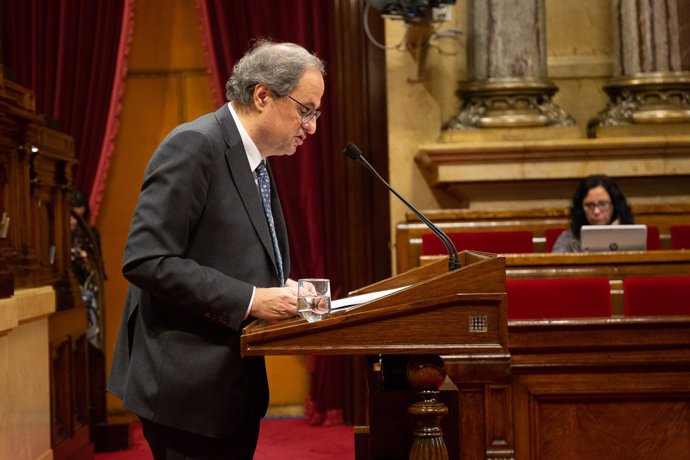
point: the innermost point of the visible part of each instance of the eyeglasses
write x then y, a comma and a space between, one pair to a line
602, 205
309, 114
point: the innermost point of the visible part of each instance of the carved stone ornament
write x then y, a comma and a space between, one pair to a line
508, 103
650, 98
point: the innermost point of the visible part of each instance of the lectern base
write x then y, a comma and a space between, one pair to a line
390, 430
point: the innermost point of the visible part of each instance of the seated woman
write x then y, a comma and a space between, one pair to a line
597, 201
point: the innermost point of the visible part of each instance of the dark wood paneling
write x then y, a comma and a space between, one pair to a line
361, 96
35, 181
581, 389
70, 384
364, 249
604, 415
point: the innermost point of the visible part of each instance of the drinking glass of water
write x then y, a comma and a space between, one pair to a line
313, 298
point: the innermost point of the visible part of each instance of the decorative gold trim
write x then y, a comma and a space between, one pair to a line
508, 103
651, 98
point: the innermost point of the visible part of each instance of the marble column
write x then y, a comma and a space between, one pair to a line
651, 81
507, 84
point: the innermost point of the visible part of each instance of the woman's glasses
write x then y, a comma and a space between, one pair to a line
602, 205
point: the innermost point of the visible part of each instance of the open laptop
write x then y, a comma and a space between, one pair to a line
604, 238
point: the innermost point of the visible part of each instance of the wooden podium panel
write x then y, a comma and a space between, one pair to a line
436, 312
442, 325
459, 313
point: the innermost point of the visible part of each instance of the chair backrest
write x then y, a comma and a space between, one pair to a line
499, 242
680, 236
551, 235
559, 298
657, 295
653, 238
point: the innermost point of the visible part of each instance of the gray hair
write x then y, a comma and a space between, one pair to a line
278, 65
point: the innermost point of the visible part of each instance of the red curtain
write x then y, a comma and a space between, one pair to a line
72, 54
304, 181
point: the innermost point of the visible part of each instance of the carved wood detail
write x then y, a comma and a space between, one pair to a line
35, 183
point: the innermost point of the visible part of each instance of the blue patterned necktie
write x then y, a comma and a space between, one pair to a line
265, 191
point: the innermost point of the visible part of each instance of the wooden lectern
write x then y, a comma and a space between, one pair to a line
461, 313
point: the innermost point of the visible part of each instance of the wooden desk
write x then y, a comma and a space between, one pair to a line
408, 234
582, 389
612, 265
616, 266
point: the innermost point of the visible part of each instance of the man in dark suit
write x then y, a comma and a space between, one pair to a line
206, 253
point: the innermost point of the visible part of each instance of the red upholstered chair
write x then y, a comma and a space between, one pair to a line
653, 238
680, 236
551, 235
657, 295
559, 298
500, 242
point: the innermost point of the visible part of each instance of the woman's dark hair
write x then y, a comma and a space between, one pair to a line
621, 209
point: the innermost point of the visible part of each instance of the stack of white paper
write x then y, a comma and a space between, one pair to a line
362, 298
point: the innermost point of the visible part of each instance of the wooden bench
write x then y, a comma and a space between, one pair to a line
408, 234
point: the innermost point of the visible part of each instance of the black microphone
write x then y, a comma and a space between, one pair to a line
352, 151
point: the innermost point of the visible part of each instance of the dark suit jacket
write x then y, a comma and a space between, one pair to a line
198, 242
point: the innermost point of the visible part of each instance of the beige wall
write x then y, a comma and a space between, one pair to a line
579, 49
166, 85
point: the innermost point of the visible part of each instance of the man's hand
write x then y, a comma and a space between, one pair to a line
275, 303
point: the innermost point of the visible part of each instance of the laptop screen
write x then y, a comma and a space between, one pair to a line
604, 238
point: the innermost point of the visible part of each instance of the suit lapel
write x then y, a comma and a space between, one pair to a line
244, 180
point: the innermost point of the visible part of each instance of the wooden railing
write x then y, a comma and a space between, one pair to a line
408, 233
611, 265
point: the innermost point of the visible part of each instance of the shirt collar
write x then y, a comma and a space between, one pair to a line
250, 148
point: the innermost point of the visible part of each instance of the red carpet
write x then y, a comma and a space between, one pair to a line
288, 438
